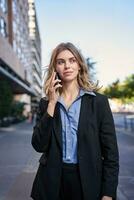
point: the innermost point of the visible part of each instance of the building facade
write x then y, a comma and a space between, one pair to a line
35, 40
16, 63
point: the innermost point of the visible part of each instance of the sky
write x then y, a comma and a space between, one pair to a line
102, 29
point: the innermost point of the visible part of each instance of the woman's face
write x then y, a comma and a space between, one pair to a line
67, 66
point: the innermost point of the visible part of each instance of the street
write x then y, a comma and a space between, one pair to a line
19, 161
125, 138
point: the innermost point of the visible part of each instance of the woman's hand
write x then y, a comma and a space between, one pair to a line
106, 198
53, 93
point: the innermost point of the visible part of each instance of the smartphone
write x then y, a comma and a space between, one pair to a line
57, 77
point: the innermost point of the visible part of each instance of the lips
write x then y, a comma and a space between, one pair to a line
67, 73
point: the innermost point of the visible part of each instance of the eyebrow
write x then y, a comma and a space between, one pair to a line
64, 59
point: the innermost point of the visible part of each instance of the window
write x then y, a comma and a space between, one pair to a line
14, 27
14, 8
3, 27
14, 46
3, 5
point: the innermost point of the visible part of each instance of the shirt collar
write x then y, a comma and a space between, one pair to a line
81, 93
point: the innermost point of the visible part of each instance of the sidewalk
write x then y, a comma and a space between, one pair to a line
18, 162
21, 187
125, 140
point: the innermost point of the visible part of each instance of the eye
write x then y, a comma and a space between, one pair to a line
72, 60
60, 62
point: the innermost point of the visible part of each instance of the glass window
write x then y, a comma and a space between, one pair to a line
14, 8
3, 27
14, 27
14, 45
3, 5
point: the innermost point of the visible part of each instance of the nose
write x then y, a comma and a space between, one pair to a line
67, 65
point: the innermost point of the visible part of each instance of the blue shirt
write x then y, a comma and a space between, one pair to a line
70, 119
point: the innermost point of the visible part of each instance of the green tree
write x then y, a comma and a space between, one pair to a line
6, 98
17, 109
128, 86
124, 90
113, 90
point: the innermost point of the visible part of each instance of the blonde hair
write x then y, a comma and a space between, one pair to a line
83, 75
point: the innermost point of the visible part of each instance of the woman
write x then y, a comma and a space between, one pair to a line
75, 132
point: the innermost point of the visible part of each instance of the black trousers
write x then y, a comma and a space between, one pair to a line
70, 183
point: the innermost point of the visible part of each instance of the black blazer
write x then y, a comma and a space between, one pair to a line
98, 156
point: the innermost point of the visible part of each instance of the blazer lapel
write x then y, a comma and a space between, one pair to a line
86, 117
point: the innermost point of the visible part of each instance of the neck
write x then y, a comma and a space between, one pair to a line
69, 90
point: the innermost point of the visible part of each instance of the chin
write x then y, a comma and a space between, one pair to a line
69, 79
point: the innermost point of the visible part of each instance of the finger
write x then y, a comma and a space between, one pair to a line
57, 86
52, 75
52, 87
55, 82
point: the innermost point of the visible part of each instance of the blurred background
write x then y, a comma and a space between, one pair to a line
29, 31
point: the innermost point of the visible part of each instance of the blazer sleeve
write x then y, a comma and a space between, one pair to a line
43, 128
109, 152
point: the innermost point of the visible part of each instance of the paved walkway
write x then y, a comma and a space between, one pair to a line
18, 162
21, 187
